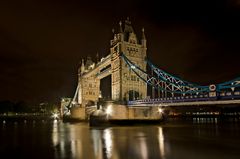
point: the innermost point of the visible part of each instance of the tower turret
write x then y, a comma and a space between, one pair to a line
97, 57
143, 40
120, 27
82, 67
128, 26
89, 62
120, 34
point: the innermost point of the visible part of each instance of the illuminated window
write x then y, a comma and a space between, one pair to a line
133, 78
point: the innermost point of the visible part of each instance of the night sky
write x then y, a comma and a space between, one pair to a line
43, 41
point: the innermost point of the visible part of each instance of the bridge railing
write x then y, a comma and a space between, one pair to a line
195, 98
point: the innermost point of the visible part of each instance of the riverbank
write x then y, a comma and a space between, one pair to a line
20, 117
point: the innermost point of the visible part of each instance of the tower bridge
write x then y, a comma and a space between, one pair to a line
125, 84
132, 75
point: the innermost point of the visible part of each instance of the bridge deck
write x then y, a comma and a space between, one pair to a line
196, 103
188, 101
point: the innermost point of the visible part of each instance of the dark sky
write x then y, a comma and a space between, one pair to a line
42, 41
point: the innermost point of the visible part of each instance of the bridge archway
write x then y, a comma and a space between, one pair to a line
90, 103
106, 88
133, 95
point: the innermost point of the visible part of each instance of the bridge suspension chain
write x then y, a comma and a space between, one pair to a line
157, 82
165, 82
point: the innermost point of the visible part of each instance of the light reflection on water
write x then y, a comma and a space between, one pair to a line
80, 141
97, 142
143, 147
161, 142
55, 139
205, 120
55, 134
107, 137
107, 143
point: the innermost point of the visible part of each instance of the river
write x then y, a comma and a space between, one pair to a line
198, 138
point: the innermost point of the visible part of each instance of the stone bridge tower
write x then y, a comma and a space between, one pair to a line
125, 84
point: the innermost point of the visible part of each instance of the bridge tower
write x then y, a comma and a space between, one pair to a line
88, 85
125, 84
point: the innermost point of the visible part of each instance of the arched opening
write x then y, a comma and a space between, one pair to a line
90, 103
106, 88
133, 95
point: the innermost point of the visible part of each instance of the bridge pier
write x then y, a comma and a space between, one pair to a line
119, 112
78, 113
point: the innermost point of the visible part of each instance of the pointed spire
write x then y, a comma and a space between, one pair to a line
97, 57
143, 34
128, 27
120, 27
128, 21
82, 66
79, 68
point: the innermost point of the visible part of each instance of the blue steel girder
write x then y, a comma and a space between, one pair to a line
232, 84
171, 78
164, 81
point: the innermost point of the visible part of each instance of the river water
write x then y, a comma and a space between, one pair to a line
198, 138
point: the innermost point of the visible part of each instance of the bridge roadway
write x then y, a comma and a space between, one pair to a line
187, 101
197, 103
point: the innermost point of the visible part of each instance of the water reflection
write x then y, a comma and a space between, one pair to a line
107, 143
71, 141
161, 142
55, 135
58, 140
120, 142
102, 143
3, 124
107, 138
205, 120
76, 145
97, 142
143, 146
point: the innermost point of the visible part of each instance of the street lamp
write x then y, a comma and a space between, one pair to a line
109, 109
160, 110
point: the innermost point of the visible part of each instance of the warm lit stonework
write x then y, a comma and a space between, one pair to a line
125, 84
